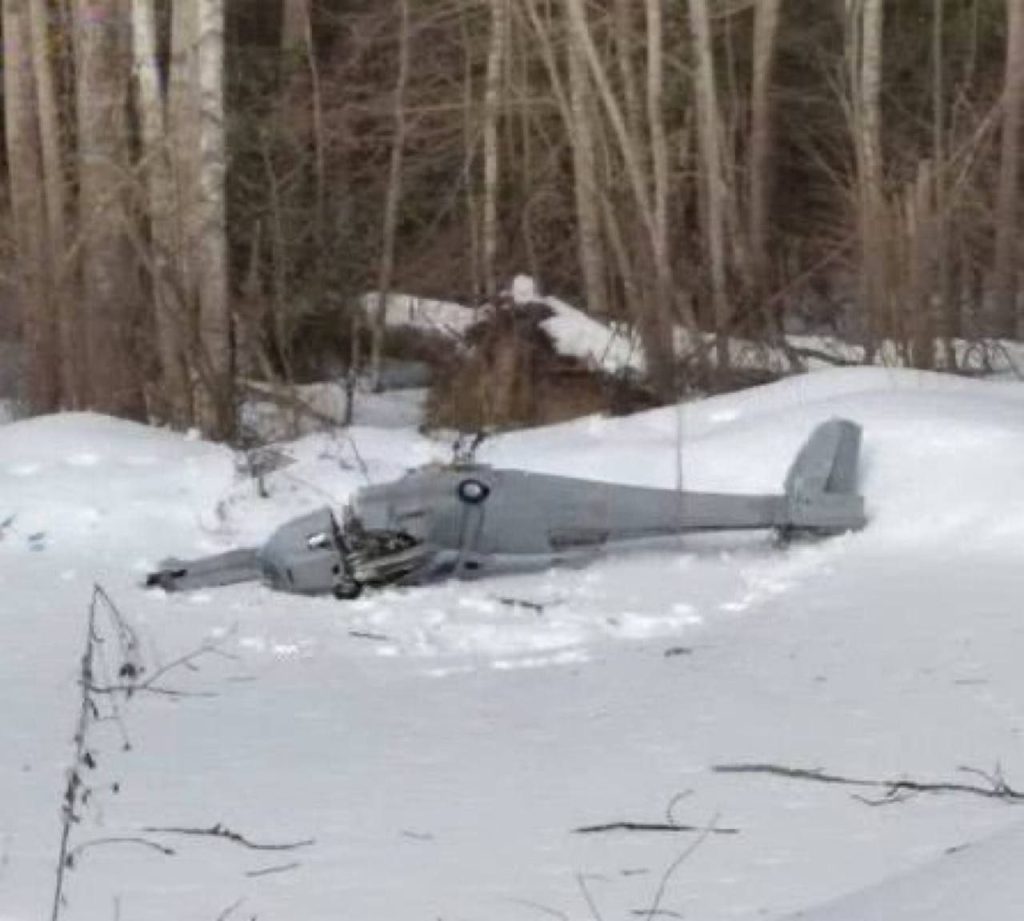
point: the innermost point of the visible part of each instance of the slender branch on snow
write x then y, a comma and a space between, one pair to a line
230, 910
110, 672
650, 827
150, 685
591, 904
894, 791
543, 909
220, 831
270, 871
656, 909
669, 825
76, 851
87, 712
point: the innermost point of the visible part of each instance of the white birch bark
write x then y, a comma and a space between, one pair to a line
169, 314
864, 31
183, 149
766, 24
294, 17
212, 282
497, 51
711, 174
579, 32
658, 140
582, 142
393, 198
625, 41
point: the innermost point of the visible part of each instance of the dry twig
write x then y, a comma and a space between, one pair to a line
226, 834
894, 791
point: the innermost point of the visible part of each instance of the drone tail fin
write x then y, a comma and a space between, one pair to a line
821, 486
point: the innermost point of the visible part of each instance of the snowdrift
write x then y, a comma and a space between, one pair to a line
453, 737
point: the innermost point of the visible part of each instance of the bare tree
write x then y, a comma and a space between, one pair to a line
294, 21
183, 130
713, 182
655, 319
393, 196
766, 25
111, 291
626, 42
664, 287
213, 287
29, 206
864, 52
588, 215
169, 312
496, 55
50, 115
1008, 201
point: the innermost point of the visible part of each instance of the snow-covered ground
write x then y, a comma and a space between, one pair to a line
441, 744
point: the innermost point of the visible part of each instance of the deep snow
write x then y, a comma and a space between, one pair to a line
440, 744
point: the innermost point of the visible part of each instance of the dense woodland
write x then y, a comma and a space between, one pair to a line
199, 191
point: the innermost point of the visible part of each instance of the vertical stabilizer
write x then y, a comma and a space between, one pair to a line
821, 486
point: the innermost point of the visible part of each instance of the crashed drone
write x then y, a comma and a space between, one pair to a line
472, 520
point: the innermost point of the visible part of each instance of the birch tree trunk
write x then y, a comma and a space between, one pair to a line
654, 321
169, 313
766, 24
29, 207
1008, 201
866, 25
393, 198
708, 121
111, 293
659, 149
294, 17
948, 309
588, 216
54, 182
500, 25
183, 152
300, 119
212, 281
625, 42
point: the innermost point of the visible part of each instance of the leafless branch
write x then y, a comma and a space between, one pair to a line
543, 909
669, 825
655, 908
650, 827
150, 686
591, 904
78, 850
220, 831
270, 871
230, 910
894, 791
